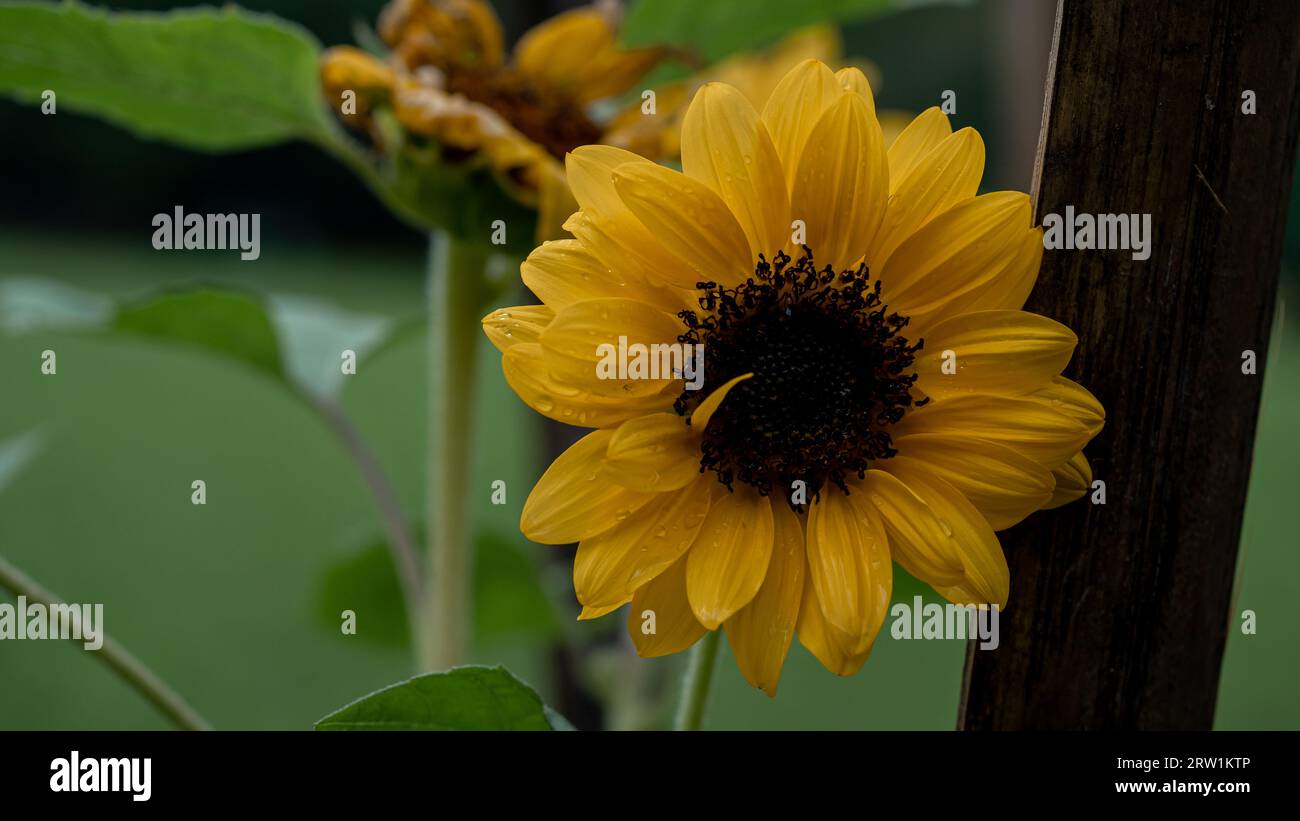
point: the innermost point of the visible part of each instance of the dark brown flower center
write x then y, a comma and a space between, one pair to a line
831, 372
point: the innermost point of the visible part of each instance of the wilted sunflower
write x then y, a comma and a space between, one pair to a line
447, 79
753, 74
872, 390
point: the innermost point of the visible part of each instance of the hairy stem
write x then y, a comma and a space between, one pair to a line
699, 677
457, 292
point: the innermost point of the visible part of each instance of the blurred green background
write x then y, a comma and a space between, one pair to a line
235, 602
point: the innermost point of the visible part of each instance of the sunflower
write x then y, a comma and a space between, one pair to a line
872, 391
448, 80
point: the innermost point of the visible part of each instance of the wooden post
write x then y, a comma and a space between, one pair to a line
1119, 612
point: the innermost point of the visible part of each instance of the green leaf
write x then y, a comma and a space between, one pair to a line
463, 698
558, 722
17, 452
314, 333
227, 80
225, 322
508, 597
365, 582
30, 303
210, 79
403, 331
293, 338
717, 28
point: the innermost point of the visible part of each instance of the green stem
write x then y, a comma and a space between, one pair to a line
457, 291
695, 687
400, 541
126, 665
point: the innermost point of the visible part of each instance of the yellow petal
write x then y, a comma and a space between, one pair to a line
590, 171
854, 79
461, 123
511, 326
608, 229
610, 566
587, 342
848, 558
344, 68
969, 535
761, 631
691, 221
589, 613
1014, 282
1003, 485
657, 452
1073, 480
1027, 427
955, 254
925, 132
794, 107
1001, 352
704, 412
525, 372
573, 500
625, 245
488, 37
729, 558
842, 183
820, 640
661, 620
465, 30
1075, 401
615, 70
575, 54
947, 175
558, 52
726, 147
917, 540
563, 272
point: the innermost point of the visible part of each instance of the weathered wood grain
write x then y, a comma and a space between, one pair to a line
1119, 613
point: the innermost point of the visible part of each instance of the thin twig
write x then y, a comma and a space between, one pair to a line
123, 662
401, 543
